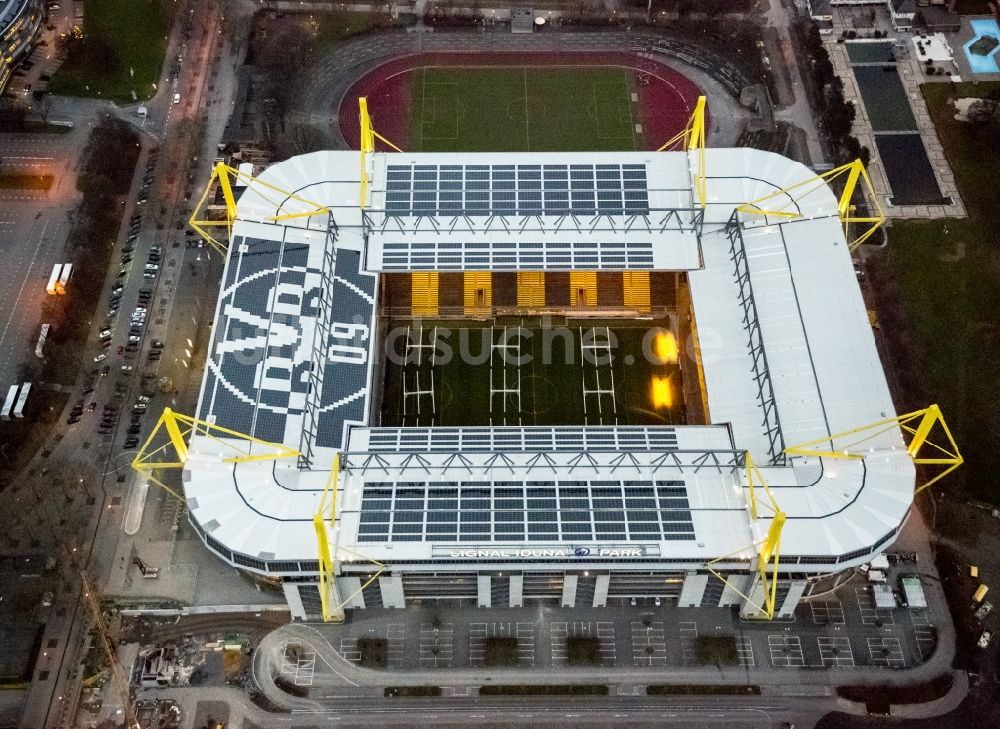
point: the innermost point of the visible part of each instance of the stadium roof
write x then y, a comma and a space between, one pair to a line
787, 351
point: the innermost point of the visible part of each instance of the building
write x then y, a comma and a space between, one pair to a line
20, 23
775, 350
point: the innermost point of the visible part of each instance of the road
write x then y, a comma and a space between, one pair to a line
79, 449
509, 712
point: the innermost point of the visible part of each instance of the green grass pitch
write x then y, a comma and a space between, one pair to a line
511, 109
546, 379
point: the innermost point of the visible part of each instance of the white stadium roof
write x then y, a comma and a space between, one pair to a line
787, 352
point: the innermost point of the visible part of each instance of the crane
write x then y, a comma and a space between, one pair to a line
90, 597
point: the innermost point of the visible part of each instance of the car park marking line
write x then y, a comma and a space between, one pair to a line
926, 639
835, 651
827, 612
437, 645
871, 615
688, 630
395, 636
349, 650
744, 650
920, 617
523, 632
786, 651
298, 662
27, 275
604, 632
886, 652
11, 196
649, 644
526, 643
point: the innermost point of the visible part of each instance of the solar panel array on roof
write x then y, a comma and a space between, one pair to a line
581, 189
500, 255
255, 377
345, 378
531, 439
241, 340
414, 511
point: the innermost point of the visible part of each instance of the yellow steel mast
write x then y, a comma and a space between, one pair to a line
225, 176
692, 139
179, 428
919, 424
368, 137
768, 549
329, 595
855, 172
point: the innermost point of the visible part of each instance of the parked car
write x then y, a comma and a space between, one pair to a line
101, 357
984, 639
983, 610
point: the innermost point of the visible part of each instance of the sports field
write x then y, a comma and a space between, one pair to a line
507, 109
525, 102
517, 373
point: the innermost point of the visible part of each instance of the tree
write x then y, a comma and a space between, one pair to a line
981, 111
301, 139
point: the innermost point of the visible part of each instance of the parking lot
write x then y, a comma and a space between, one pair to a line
838, 631
34, 225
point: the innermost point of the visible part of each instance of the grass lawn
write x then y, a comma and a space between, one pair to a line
331, 28
546, 379
119, 35
948, 276
517, 109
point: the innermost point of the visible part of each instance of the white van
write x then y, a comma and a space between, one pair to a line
177, 98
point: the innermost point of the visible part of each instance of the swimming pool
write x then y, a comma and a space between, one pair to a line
983, 64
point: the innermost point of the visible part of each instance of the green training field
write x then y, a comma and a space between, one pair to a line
583, 373
516, 109
121, 50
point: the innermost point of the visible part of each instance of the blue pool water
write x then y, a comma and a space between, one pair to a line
983, 64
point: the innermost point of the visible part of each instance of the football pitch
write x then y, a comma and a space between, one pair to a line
517, 109
518, 373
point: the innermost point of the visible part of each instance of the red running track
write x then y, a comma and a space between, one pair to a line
666, 96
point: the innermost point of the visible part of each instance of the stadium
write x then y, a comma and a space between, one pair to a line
564, 378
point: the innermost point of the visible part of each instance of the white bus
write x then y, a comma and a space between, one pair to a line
53, 286
22, 400
8, 403
65, 276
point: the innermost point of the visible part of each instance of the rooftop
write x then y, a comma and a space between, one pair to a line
787, 354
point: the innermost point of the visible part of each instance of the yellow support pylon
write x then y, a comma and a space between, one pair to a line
478, 292
530, 289
584, 282
635, 285
179, 429
333, 612
918, 424
424, 294
226, 176
368, 137
692, 138
768, 549
855, 172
